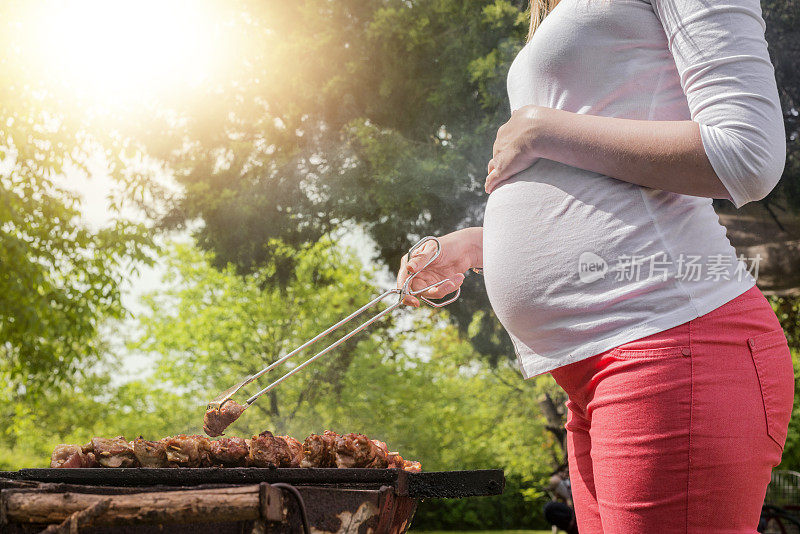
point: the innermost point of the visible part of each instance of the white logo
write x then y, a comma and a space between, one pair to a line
591, 267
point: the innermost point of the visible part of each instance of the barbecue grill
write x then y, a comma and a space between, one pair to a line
227, 500
239, 500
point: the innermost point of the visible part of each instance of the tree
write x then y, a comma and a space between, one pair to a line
59, 278
380, 114
216, 328
94, 404
788, 312
783, 36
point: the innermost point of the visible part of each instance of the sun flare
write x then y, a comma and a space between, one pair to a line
122, 50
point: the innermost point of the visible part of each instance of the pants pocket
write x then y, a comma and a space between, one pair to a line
773, 362
650, 353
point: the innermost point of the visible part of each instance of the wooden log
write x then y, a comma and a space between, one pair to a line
224, 504
78, 520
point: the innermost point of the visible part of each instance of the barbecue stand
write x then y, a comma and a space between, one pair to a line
227, 500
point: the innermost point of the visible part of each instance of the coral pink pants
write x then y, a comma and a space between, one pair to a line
679, 431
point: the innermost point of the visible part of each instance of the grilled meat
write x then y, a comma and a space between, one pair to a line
357, 450
114, 452
230, 452
187, 451
264, 450
267, 450
150, 453
297, 450
72, 456
381, 445
395, 461
320, 451
382, 456
216, 421
411, 465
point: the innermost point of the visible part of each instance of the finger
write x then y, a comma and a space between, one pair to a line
408, 300
440, 291
492, 180
423, 280
446, 288
420, 281
491, 166
402, 272
421, 256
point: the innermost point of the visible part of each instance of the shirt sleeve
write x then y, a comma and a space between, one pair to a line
729, 82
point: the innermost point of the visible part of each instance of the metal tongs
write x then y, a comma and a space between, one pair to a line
226, 395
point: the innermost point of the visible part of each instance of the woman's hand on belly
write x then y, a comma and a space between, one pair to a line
461, 250
515, 146
665, 155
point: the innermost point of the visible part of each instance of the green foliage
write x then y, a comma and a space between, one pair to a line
216, 327
783, 19
788, 312
378, 113
791, 452
59, 278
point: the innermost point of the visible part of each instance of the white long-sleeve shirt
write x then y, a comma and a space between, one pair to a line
577, 263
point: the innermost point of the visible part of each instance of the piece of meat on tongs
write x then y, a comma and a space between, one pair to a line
357, 450
113, 452
229, 452
320, 450
73, 456
217, 419
268, 450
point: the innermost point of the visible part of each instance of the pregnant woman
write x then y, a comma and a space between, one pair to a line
607, 265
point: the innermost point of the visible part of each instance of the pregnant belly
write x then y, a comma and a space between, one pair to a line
536, 227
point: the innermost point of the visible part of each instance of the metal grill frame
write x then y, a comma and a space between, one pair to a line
422, 485
336, 500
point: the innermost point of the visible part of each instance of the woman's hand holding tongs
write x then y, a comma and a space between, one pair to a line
461, 251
